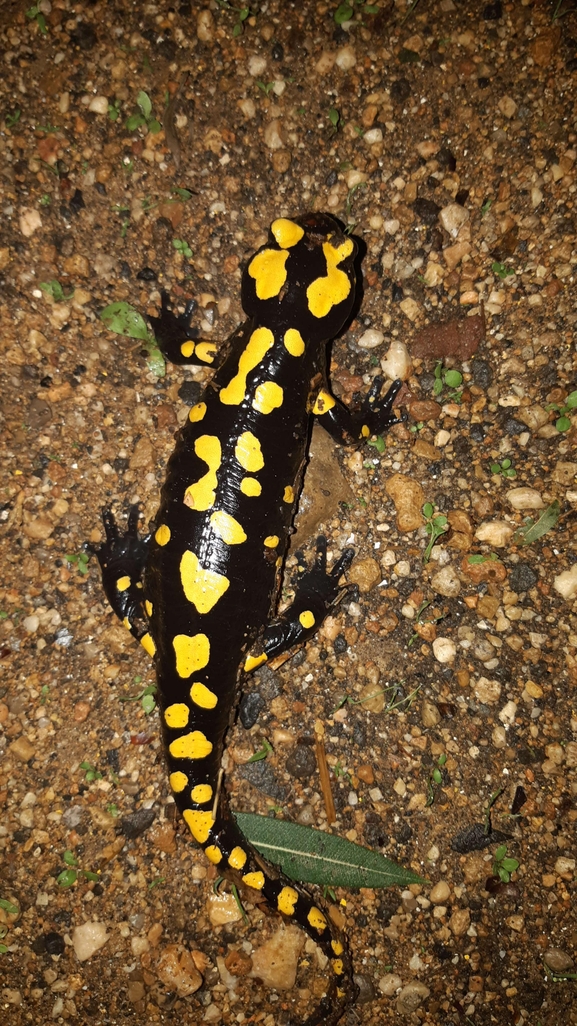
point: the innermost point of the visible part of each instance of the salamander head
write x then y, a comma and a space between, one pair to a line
303, 278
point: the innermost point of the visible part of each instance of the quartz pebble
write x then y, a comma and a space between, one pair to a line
88, 938
411, 998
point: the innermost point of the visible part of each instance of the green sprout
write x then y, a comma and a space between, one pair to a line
91, 772
182, 247
486, 207
335, 120
266, 87
68, 877
12, 119
146, 697
35, 14
503, 866
450, 378
436, 524
144, 103
377, 443
501, 270
54, 288
80, 560
264, 750
435, 777
241, 13
505, 468
114, 110
345, 11
563, 422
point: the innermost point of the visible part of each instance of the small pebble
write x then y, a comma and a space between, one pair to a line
411, 998
440, 893
444, 650
88, 938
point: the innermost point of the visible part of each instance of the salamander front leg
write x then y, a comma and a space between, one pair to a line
176, 340
375, 416
317, 593
122, 559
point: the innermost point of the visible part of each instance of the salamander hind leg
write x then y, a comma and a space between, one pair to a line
122, 559
375, 416
317, 593
177, 341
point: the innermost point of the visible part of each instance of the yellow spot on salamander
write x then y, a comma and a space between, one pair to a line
269, 272
148, 644
199, 824
162, 536
202, 587
192, 653
338, 966
227, 528
126, 623
123, 583
337, 947
324, 403
201, 494
201, 794
197, 412
203, 696
187, 349
267, 397
255, 880
286, 232
365, 432
317, 919
306, 619
293, 341
288, 494
250, 486
272, 541
287, 900
249, 453
205, 351
148, 607
178, 781
324, 293
190, 746
237, 858
253, 661
213, 854
257, 346
176, 716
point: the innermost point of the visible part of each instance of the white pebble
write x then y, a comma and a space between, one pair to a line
370, 339
345, 59
98, 105
565, 584
256, 66
397, 362
444, 650
87, 939
525, 498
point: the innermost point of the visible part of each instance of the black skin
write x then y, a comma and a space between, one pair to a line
174, 569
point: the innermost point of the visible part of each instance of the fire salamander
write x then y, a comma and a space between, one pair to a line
200, 592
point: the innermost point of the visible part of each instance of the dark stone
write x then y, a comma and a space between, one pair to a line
522, 577
492, 12
100, 188
483, 82
482, 374
396, 292
146, 274
262, 776
476, 838
374, 830
400, 90
461, 446
403, 833
359, 734
54, 944
84, 36
120, 464
190, 392
462, 197
250, 708
331, 179
340, 644
112, 757
77, 202
124, 269
426, 210
446, 159
301, 763
477, 432
277, 52
366, 989
137, 823
511, 426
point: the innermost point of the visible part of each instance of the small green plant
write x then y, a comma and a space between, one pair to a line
146, 697
501, 270
505, 468
242, 14
345, 11
452, 379
377, 443
419, 619
435, 777
11, 909
158, 880
563, 422
341, 773
503, 866
435, 526
91, 773
112, 809
12, 119
45, 199
486, 207
532, 530
114, 110
182, 247
334, 119
478, 557
44, 694
79, 560
265, 87
561, 11
35, 14
68, 877
54, 288
183, 194
349, 206
123, 319
558, 977
262, 753
144, 103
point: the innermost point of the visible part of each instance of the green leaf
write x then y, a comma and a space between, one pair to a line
495, 468
437, 386
312, 856
144, 102
155, 361
563, 424
428, 510
8, 906
154, 126
344, 12
334, 117
510, 865
148, 704
90, 876
453, 378
134, 122
370, 9
571, 401
69, 858
125, 320
67, 878
183, 194
501, 852
545, 523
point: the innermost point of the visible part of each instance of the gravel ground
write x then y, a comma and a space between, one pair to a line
444, 134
